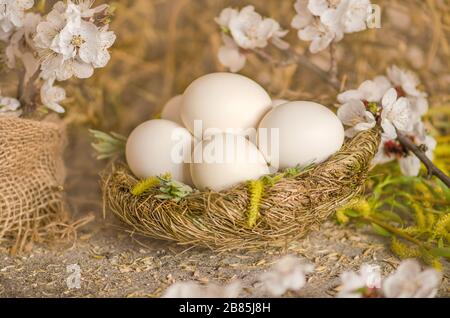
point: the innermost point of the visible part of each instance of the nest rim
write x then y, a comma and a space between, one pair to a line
286, 210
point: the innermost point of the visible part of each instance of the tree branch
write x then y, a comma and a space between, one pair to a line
27, 93
294, 58
432, 169
333, 65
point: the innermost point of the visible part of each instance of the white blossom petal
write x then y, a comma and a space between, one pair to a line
303, 17
353, 94
230, 56
9, 107
82, 70
318, 7
370, 90
396, 113
409, 165
51, 96
226, 16
389, 130
352, 112
287, 274
195, 290
431, 144
353, 284
401, 115
389, 98
409, 281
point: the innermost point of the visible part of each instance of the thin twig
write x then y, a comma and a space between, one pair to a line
27, 93
393, 230
333, 65
294, 58
432, 169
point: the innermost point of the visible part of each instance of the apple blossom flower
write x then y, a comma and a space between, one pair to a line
319, 35
349, 15
323, 22
9, 107
391, 149
409, 281
12, 13
395, 114
230, 56
69, 44
287, 274
51, 96
194, 290
370, 91
250, 30
406, 82
365, 283
311, 29
354, 114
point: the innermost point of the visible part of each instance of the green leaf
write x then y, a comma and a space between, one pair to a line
352, 213
441, 242
392, 216
380, 230
441, 251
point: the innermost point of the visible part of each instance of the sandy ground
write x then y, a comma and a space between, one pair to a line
117, 263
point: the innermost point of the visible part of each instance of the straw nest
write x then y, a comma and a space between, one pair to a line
255, 214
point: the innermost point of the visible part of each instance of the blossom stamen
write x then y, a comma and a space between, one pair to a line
393, 148
77, 41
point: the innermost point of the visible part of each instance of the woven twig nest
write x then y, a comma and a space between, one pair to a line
283, 211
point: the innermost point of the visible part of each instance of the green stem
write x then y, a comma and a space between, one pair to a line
394, 230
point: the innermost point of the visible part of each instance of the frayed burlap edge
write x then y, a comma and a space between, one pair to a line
287, 210
32, 200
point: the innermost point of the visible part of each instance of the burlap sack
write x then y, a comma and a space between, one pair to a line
32, 175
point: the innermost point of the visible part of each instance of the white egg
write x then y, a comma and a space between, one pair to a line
224, 102
224, 160
171, 110
305, 133
160, 146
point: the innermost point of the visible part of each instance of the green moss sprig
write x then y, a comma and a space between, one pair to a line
172, 190
107, 145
